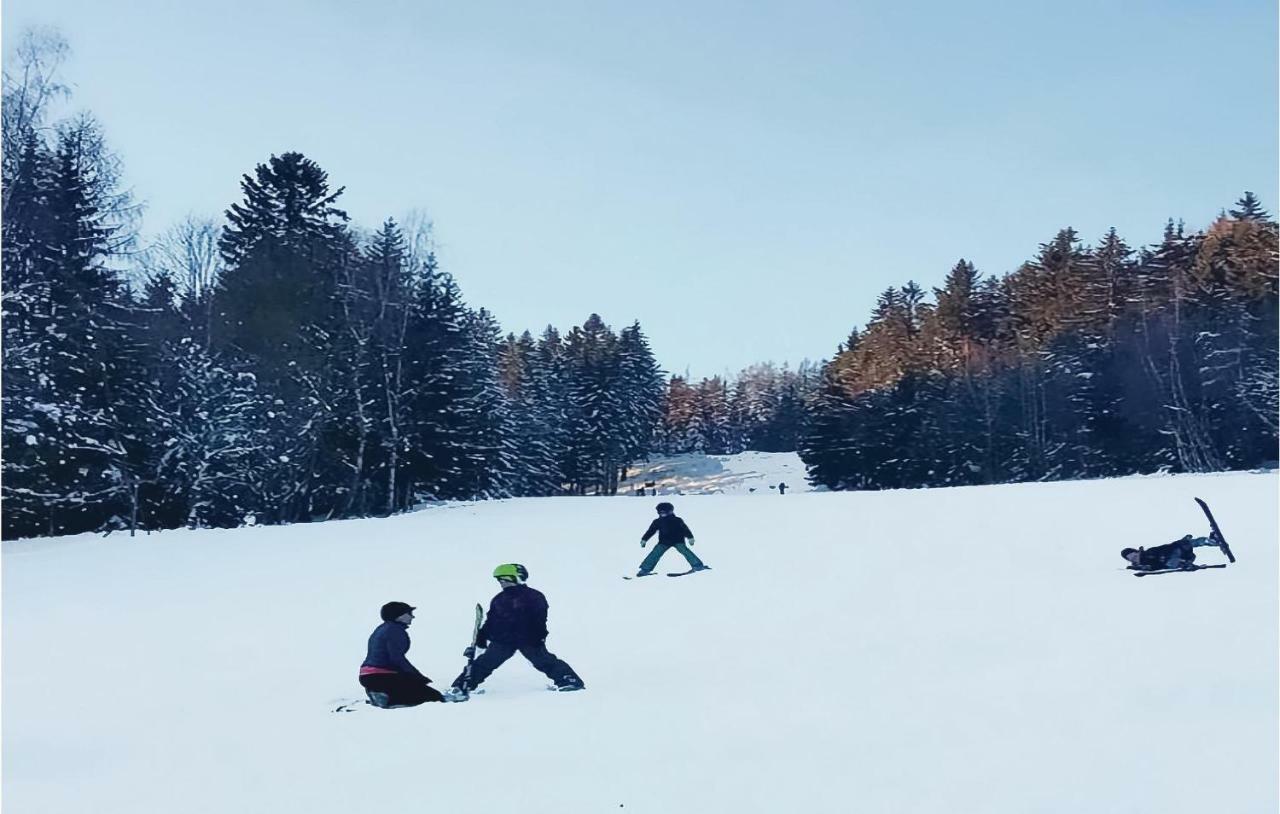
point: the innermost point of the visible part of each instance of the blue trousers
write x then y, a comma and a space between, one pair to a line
651, 561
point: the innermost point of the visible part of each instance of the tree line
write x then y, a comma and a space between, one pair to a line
1085, 362
764, 408
277, 367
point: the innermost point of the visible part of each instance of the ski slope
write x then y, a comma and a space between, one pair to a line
957, 650
697, 474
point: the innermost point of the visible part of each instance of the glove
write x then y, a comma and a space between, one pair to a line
470, 652
690, 541
643, 542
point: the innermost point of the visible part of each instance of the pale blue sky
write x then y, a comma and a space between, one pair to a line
742, 177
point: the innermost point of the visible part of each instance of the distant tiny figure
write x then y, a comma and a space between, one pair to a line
782, 488
517, 623
1178, 554
388, 678
672, 533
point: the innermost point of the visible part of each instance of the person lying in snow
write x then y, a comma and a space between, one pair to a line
517, 622
1178, 554
672, 533
386, 674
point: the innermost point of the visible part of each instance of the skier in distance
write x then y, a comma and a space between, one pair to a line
672, 532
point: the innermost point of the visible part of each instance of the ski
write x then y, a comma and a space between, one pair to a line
638, 576
471, 659
1177, 570
1217, 532
554, 688
687, 573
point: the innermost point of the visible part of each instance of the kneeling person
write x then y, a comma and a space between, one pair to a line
386, 674
517, 622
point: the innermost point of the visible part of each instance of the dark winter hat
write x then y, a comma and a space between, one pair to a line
394, 610
1125, 552
665, 507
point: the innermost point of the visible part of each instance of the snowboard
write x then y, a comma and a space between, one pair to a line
1177, 570
475, 636
1217, 532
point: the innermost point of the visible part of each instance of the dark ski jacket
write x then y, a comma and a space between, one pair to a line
671, 530
387, 647
1177, 554
517, 616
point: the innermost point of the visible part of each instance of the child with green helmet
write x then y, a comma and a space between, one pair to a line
516, 623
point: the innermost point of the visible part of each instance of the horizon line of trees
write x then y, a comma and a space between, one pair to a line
1085, 362
764, 408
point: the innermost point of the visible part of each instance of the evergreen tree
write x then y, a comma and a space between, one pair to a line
284, 247
640, 385
1248, 208
390, 276
533, 418
595, 453
436, 443
70, 455
488, 467
216, 461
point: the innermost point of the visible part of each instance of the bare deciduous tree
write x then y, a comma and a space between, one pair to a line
30, 86
419, 238
188, 253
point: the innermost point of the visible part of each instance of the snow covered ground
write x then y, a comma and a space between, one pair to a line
960, 650
741, 474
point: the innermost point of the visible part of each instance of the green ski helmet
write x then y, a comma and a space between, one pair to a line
512, 571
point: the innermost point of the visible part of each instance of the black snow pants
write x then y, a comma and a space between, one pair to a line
401, 690
536, 652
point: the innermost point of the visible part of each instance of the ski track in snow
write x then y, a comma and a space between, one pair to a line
951, 650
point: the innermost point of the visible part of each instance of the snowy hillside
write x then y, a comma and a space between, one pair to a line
697, 474
963, 650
